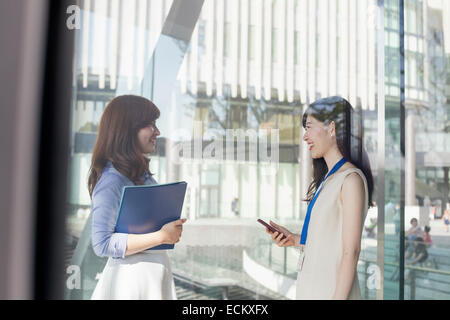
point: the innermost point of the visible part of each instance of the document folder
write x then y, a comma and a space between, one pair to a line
145, 209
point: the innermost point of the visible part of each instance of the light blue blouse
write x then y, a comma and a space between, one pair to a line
105, 208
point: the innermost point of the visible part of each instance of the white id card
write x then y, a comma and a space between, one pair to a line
301, 258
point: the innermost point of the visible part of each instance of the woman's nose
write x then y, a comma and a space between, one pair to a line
305, 136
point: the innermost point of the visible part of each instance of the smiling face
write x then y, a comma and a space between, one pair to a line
147, 137
319, 137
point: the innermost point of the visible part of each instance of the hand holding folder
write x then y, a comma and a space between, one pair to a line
172, 231
146, 209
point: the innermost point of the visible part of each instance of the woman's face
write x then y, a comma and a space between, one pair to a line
320, 138
147, 137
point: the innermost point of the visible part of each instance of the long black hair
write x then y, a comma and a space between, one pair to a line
348, 126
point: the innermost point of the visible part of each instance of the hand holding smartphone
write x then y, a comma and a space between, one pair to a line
271, 228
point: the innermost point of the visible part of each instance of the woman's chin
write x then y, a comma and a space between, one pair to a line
316, 156
150, 150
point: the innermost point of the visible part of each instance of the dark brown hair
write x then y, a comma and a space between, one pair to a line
117, 139
348, 126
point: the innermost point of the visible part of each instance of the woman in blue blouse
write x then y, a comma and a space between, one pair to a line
126, 134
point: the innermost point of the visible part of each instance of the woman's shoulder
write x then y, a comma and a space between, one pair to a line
351, 174
353, 181
111, 178
347, 166
111, 173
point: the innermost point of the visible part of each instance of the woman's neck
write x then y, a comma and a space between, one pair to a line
332, 157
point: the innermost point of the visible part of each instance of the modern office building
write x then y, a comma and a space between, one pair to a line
232, 79
249, 69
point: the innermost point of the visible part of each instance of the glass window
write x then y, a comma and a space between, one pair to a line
297, 46
275, 45
227, 41
215, 101
251, 42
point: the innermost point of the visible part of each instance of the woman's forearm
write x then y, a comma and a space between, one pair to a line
140, 242
346, 275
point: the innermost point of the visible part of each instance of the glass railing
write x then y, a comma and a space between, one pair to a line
222, 267
202, 266
280, 260
429, 280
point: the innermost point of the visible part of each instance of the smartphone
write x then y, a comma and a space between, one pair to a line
271, 229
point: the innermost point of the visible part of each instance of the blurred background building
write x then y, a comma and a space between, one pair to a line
255, 65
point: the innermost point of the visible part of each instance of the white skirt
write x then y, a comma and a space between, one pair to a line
142, 276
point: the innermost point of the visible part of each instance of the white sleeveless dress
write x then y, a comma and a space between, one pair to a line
323, 249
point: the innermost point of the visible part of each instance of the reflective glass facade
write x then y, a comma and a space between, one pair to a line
232, 89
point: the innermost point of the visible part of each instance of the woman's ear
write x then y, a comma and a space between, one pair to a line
331, 129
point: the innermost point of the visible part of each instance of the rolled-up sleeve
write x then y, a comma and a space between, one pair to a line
105, 206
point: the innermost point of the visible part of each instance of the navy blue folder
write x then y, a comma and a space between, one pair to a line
145, 209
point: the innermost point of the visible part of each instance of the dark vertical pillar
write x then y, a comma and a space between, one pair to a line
381, 152
402, 148
445, 190
54, 154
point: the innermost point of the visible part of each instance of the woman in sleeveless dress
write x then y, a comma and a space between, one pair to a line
127, 132
338, 200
